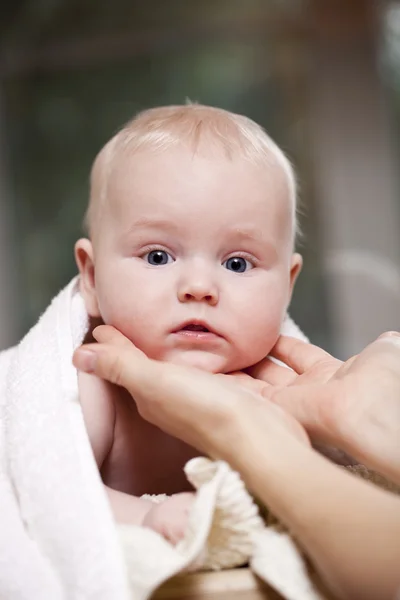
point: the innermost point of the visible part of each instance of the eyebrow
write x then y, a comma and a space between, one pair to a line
246, 233
151, 223
242, 233
249, 233
253, 234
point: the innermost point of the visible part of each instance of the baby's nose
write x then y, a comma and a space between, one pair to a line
198, 289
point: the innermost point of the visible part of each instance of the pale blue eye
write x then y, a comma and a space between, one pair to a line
158, 257
237, 264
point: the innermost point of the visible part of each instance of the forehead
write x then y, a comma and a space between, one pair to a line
205, 184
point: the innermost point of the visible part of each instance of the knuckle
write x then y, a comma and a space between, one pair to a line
115, 370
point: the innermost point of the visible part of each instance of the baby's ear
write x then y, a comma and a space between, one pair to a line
85, 263
295, 268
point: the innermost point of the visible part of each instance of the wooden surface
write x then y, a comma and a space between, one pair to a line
235, 584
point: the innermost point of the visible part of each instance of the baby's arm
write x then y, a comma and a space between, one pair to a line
168, 518
128, 509
99, 414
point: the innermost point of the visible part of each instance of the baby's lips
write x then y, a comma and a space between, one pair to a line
195, 328
196, 325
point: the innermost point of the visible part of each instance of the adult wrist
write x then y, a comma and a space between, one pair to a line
223, 440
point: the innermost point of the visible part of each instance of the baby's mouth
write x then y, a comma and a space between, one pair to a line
196, 329
193, 327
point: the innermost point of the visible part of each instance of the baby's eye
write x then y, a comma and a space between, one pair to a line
158, 257
238, 264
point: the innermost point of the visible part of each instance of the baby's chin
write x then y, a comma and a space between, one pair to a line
206, 361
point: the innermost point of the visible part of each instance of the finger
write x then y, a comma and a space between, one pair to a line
117, 361
246, 381
239, 375
316, 407
383, 353
312, 410
346, 366
270, 372
394, 335
107, 333
242, 377
156, 386
298, 355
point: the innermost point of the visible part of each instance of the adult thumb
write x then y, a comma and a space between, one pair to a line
115, 359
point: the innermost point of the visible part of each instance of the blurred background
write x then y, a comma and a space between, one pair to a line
322, 76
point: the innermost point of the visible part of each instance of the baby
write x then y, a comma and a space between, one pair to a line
191, 220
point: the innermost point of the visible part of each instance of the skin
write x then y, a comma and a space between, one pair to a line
198, 213
348, 527
369, 430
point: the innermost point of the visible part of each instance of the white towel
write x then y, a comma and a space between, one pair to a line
57, 536
58, 539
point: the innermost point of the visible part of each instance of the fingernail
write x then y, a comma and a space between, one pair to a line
390, 334
85, 360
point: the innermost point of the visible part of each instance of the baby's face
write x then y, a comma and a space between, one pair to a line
193, 259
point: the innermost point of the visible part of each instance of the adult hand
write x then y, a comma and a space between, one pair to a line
269, 448
210, 412
353, 405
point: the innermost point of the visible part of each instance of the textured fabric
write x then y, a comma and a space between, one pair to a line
224, 531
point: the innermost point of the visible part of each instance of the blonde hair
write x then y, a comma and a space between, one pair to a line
163, 127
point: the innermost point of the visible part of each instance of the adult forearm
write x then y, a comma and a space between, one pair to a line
349, 528
378, 450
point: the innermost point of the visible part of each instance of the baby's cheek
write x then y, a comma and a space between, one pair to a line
130, 320
260, 337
